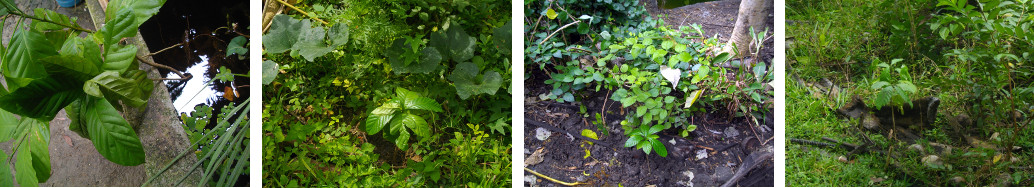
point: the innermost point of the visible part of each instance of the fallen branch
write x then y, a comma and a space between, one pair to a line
752, 162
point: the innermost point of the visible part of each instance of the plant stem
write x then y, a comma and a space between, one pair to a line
553, 180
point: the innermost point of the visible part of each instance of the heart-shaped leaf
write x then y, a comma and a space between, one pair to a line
283, 33
467, 83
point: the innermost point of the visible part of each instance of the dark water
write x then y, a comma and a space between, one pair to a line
670, 4
204, 27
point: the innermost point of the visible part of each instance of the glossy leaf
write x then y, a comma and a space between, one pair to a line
413, 101
413, 122
141, 9
122, 26
19, 63
111, 85
658, 146
84, 48
42, 98
113, 137
73, 67
380, 117
402, 140
119, 58
283, 33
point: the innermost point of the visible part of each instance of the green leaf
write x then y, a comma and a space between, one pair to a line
583, 28
415, 123
646, 146
311, 43
501, 37
461, 45
42, 98
590, 134
380, 117
110, 85
122, 26
76, 123
119, 58
722, 57
238, 45
51, 16
430, 58
82, 47
141, 9
413, 101
25, 173
551, 13
402, 140
879, 85
8, 126
907, 86
659, 147
110, 133
38, 139
70, 66
6, 178
626, 102
467, 82
654, 129
20, 62
269, 71
283, 33
338, 34
701, 74
632, 141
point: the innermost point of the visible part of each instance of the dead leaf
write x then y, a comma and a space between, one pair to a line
68, 140
535, 158
593, 163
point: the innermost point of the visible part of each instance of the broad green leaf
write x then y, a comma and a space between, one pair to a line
461, 45
879, 85
415, 123
25, 174
659, 147
380, 117
701, 74
646, 146
283, 33
269, 71
84, 48
51, 16
721, 58
113, 137
123, 26
111, 85
632, 141
38, 139
413, 101
402, 140
42, 98
6, 178
907, 86
654, 129
551, 13
8, 126
501, 37
467, 82
70, 66
429, 60
20, 62
626, 102
590, 134
238, 45
338, 34
311, 43
76, 123
142, 9
119, 58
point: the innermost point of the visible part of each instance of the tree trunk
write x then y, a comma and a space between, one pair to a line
751, 14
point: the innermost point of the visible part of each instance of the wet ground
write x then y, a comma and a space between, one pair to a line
708, 157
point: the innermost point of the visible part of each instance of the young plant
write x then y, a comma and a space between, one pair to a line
48, 67
893, 90
645, 138
399, 113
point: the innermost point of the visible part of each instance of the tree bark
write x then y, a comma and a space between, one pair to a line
751, 14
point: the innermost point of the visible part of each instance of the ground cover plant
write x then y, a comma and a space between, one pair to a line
647, 89
387, 93
935, 93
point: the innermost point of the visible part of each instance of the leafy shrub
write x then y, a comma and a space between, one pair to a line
398, 112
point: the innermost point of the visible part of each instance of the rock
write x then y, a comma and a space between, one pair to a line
701, 154
703, 180
915, 148
732, 132
842, 159
941, 149
542, 133
933, 161
958, 180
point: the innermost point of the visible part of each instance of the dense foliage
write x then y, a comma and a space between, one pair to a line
657, 72
973, 55
428, 76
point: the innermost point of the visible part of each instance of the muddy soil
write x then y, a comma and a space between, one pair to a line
715, 18
726, 143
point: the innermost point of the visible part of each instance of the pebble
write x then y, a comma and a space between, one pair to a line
542, 133
530, 179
